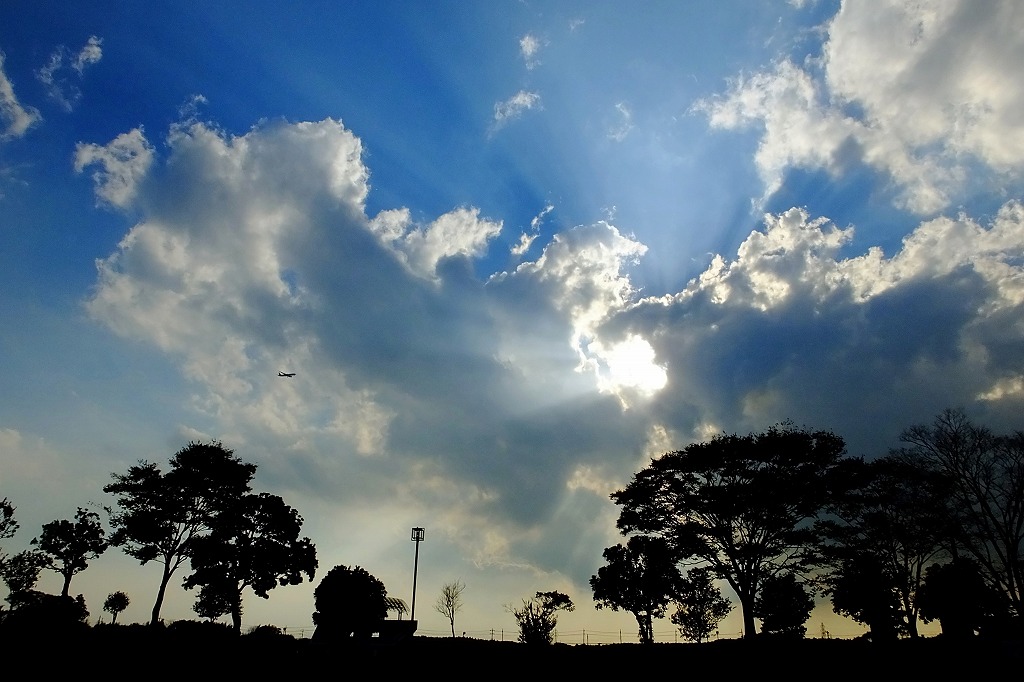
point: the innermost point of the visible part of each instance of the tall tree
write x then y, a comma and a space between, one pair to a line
641, 578
986, 473
449, 602
69, 546
897, 512
253, 543
162, 513
700, 606
539, 615
743, 505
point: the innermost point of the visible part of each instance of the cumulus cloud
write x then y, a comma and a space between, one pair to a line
121, 163
17, 119
59, 86
254, 252
459, 233
864, 345
925, 92
514, 107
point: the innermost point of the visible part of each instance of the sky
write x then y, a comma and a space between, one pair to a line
511, 250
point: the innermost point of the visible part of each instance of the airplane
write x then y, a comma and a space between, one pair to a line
286, 374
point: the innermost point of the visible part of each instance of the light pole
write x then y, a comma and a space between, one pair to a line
417, 537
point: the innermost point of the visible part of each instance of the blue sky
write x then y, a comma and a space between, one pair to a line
511, 250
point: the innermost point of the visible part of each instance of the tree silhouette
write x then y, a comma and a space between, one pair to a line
8, 525
254, 542
741, 504
68, 546
161, 514
349, 602
898, 512
957, 595
986, 473
21, 573
783, 606
115, 603
700, 606
450, 601
539, 615
865, 590
641, 578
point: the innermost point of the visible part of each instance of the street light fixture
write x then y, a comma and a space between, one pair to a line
417, 537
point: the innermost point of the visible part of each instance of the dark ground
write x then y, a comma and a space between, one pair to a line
139, 651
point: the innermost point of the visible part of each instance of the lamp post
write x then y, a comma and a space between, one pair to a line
417, 537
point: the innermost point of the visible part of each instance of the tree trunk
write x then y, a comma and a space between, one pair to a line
166, 578
113, 618
646, 628
236, 615
747, 606
67, 585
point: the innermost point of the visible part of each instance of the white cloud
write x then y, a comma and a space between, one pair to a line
514, 107
58, 86
123, 162
458, 233
91, 53
17, 119
529, 48
624, 125
527, 240
923, 91
866, 345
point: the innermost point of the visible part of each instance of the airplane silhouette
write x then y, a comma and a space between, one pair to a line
286, 374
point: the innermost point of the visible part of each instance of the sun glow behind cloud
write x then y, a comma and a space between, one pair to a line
629, 364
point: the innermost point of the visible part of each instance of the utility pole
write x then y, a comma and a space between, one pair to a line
417, 537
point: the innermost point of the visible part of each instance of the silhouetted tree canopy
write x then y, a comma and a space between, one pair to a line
986, 493
898, 512
864, 589
162, 513
539, 615
21, 573
8, 524
254, 542
957, 595
742, 504
48, 613
115, 603
641, 578
68, 546
783, 606
700, 606
349, 601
